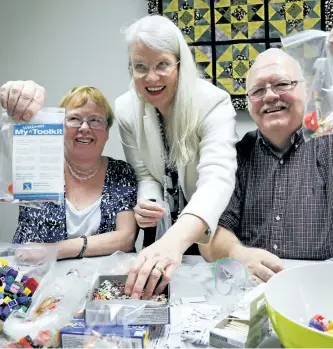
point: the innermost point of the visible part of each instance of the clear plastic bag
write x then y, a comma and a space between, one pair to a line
313, 51
22, 269
221, 283
54, 304
32, 158
165, 222
33, 260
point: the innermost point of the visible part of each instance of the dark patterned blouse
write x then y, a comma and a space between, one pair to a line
173, 193
48, 224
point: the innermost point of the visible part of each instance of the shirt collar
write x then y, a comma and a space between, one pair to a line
296, 139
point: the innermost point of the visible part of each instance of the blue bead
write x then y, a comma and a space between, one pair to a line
13, 273
22, 299
316, 325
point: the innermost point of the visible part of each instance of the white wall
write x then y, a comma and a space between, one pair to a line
66, 43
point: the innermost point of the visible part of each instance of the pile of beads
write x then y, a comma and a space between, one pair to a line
319, 323
116, 290
16, 290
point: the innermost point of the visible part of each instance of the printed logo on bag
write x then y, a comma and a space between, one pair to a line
38, 130
27, 186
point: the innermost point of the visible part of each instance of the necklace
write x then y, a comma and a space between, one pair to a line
83, 175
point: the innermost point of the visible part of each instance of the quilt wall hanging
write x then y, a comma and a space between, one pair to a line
225, 36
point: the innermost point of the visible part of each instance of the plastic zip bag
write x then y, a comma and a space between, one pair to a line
22, 269
164, 223
32, 158
314, 53
54, 304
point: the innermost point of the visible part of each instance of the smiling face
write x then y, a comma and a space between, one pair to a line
155, 89
276, 113
84, 143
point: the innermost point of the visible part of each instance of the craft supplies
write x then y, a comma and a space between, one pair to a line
115, 289
109, 304
318, 322
54, 303
245, 327
77, 334
16, 290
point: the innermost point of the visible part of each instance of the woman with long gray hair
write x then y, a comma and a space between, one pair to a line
178, 133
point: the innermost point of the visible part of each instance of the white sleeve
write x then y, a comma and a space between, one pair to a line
217, 165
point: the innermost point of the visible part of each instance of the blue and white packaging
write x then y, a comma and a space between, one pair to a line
77, 335
32, 158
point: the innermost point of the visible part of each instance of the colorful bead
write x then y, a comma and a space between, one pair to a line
13, 293
31, 284
5, 311
316, 325
13, 273
9, 279
27, 291
22, 299
4, 270
3, 262
14, 288
24, 308
116, 290
7, 300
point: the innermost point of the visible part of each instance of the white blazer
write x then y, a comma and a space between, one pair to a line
208, 182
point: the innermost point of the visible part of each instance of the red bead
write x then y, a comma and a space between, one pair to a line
320, 319
32, 284
310, 121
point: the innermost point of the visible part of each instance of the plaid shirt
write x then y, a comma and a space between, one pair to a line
284, 204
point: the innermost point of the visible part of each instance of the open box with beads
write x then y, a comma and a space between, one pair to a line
124, 311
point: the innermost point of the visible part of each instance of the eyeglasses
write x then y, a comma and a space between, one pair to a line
280, 87
160, 68
94, 122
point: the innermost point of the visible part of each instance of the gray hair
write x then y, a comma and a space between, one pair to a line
161, 34
281, 55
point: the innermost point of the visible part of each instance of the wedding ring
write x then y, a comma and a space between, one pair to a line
159, 269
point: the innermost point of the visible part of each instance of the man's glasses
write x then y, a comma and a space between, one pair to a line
279, 88
94, 122
160, 68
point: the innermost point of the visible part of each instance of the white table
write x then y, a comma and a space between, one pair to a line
63, 266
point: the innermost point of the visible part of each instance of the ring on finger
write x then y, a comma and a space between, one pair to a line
159, 269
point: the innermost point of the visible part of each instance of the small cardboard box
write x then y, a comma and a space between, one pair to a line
128, 311
255, 318
76, 334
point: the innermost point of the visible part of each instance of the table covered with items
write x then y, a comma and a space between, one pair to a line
82, 304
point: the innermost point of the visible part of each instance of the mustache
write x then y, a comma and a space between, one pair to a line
274, 105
